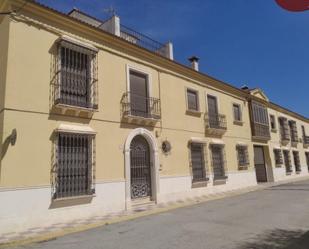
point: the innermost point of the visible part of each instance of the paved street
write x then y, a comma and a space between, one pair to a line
273, 218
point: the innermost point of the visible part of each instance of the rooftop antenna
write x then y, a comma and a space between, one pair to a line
110, 11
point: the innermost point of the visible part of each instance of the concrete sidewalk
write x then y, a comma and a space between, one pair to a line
42, 233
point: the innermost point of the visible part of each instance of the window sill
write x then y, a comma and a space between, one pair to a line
220, 181
274, 130
71, 201
193, 113
65, 107
244, 167
238, 122
200, 183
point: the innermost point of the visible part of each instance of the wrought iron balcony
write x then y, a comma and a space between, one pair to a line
139, 108
260, 131
285, 137
215, 123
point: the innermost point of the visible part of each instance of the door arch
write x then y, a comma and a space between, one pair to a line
153, 161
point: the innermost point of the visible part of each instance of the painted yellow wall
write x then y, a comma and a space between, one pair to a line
4, 38
28, 95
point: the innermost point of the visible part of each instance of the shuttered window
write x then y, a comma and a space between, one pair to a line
139, 94
242, 156
198, 162
192, 98
273, 122
74, 172
278, 157
237, 112
296, 161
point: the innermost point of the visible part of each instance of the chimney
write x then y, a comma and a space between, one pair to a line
244, 87
194, 62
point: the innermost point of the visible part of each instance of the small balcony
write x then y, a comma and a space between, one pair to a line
285, 137
260, 131
215, 124
140, 109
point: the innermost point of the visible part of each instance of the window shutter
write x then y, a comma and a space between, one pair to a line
192, 100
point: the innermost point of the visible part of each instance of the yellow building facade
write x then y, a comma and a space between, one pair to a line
92, 123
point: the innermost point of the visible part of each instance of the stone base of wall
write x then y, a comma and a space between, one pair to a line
281, 175
179, 188
22, 209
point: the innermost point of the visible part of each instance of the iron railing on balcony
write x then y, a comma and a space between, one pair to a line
142, 40
134, 105
260, 130
215, 121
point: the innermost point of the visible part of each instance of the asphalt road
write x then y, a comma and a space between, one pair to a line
273, 218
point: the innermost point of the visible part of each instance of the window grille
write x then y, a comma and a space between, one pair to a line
218, 162
287, 161
198, 162
293, 131
76, 76
278, 157
242, 156
192, 98
74, 167
296, 161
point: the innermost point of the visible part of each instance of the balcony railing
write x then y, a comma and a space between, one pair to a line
142, 40
260, 131
215, 123
140, 107
285, 136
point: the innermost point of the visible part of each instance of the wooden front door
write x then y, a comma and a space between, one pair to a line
259, 162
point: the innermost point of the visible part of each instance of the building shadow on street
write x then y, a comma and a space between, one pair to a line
278, 239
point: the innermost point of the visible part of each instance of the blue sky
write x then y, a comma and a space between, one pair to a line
254, 42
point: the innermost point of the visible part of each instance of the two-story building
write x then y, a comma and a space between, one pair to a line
98, 118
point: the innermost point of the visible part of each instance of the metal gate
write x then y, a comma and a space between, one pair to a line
259, 162
140, 168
